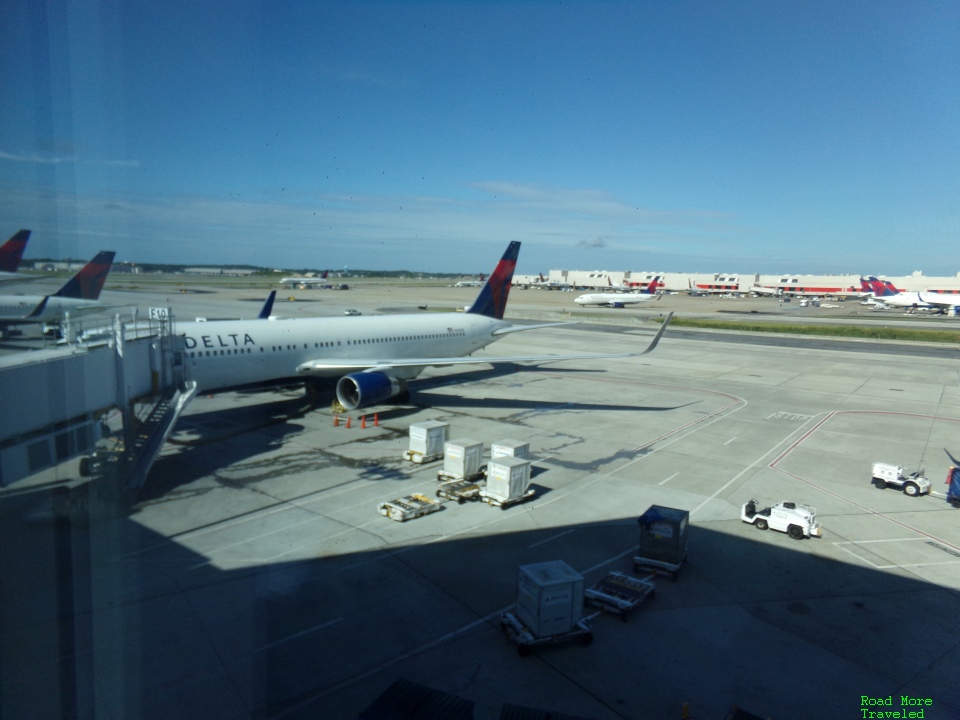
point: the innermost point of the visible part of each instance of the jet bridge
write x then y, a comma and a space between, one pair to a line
54, 400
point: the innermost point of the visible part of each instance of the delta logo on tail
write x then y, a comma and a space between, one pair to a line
11, 252
492, 300
88, 283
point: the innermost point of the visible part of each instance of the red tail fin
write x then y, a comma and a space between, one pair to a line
88, 283
12, 251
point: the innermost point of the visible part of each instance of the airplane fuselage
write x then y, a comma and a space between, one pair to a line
234, 353
613, 299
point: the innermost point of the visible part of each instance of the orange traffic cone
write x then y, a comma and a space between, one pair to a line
363, 422
348, 421
336, 420
376, 419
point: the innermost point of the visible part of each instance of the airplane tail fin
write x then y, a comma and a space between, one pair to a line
88, 283
492, 300
267, 306
12, 251
652, 287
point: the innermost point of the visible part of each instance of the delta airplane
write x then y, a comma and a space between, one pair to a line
305, 282
472, 283
544, 284
885, 295
10, 254
618, 300
889, 295
77, 296
373, 356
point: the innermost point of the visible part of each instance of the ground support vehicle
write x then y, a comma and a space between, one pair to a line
798, 521
525, 640
659, 567
408, 507
460, 490
619, 594
445, 477
662, 546
420, 458
886, 475
503, 504
953, 487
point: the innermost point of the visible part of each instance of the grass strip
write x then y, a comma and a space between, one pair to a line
848, 331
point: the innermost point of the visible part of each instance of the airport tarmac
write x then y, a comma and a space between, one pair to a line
254, 578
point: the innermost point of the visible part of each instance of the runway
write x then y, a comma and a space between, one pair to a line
254, 578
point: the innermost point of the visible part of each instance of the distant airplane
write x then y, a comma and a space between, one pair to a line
373, 356
11, 253
545, 284
305, 282
619, 300
886, 292
634, 287
77, 296
472, 283
267, 306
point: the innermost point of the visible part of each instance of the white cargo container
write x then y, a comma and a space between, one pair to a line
426, 440
507, 477
549, 597
511, 448
462, 458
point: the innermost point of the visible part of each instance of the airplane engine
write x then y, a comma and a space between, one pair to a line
368, 388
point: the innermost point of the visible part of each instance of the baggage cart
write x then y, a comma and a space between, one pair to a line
525, 640
420, 458
460, 490
953, 487
499, 502
620, 594
462, 459
659, 567
663, 541
408, 507
447, 477
426, 441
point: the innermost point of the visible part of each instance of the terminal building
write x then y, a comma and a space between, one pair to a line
737, 283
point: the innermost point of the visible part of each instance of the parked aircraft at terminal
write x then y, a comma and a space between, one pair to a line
78, 296
373, 356
887, 294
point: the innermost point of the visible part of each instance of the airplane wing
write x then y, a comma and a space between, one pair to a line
521, 328
12, 278
325, 366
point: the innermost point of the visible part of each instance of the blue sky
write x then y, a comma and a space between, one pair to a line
805, 137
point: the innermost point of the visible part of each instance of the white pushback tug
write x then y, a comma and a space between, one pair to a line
798, 521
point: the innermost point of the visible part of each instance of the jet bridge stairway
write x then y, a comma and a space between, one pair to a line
153, 432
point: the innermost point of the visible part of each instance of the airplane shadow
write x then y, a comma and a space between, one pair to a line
424, 400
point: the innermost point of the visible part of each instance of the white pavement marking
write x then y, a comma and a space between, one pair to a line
747, 469
552, 537
321, 626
